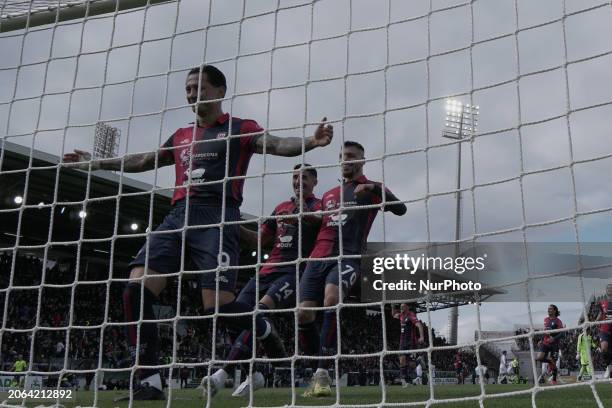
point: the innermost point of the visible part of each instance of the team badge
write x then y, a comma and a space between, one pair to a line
330, 204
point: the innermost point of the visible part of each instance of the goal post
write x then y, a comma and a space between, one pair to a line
22, 14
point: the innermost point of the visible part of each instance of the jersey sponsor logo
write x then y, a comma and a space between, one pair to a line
337, 220
185, 141
197, 175
286, 241
185, 156
206, 155
221, 135
286, 238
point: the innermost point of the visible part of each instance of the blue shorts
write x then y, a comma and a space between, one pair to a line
201, 245
279, 286
319, 273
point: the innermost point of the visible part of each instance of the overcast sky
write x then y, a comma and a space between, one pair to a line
400, 99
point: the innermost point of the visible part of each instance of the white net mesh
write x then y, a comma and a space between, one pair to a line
536, 171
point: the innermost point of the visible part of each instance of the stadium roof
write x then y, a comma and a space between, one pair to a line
100, 194
100, 238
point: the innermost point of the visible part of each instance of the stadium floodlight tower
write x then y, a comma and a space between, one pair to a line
106, 141
461, 122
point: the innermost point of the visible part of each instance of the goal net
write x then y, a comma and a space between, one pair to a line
488, 120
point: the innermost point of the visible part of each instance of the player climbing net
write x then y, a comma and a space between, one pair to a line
382, 72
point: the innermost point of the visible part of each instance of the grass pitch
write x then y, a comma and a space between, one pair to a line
580, 396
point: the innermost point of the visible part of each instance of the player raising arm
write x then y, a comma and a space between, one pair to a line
326, 282
200, 154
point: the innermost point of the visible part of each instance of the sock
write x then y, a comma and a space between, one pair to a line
233, 334
327, 344
554, 374
241, 349
411, 374
404, 372
309, 339
607, 358
149, 336
274, 348
262, 325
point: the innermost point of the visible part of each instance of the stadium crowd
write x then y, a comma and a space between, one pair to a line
193, 339
567, 345
193, 342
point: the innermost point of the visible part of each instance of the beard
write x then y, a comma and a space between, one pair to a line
349, 170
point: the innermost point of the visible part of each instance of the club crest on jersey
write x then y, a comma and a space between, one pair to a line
185, 156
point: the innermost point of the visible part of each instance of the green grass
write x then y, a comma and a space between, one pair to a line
573, 397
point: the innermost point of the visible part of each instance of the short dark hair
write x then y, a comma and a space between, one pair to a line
213, 75
350, 143
307, 169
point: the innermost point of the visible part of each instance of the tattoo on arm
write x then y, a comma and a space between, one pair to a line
283, 146
136, 163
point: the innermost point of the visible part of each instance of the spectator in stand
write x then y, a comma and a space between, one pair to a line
59, 349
